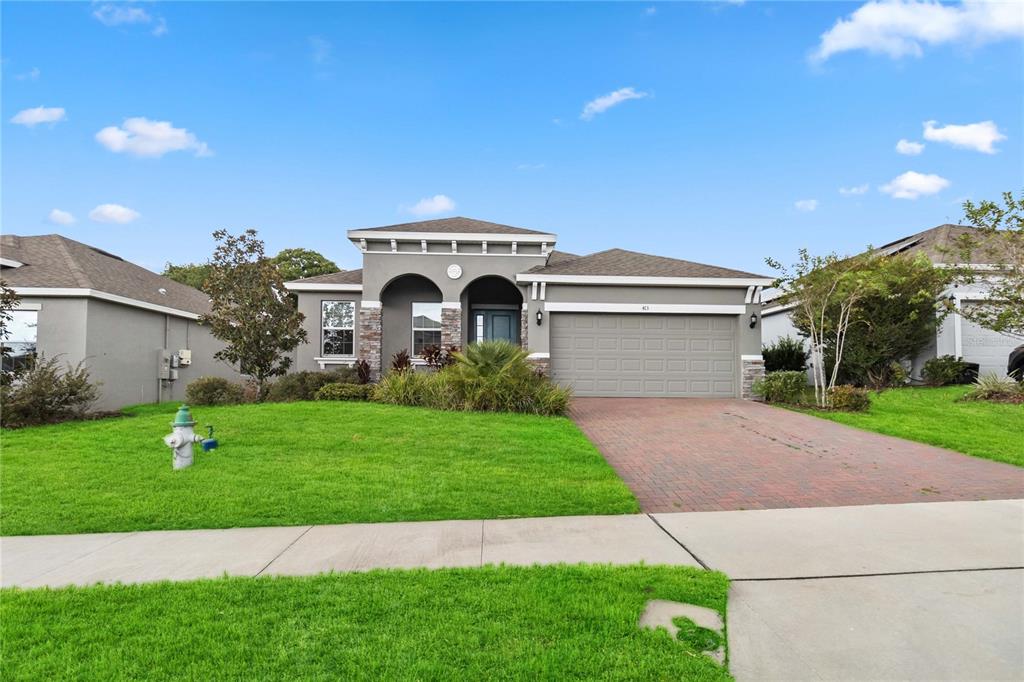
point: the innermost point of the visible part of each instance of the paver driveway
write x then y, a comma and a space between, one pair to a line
680, 454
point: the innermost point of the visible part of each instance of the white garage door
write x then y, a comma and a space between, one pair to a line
600, 354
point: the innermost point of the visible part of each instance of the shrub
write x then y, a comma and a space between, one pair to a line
214, 391
340, 391
782, 387
889, 376
943, 370
43, 393
438, 357
849, 398
785, 355
996, 389
304, 385
362, 368
400, 361
489, 376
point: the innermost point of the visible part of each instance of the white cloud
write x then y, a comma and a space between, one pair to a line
320, 50
113, 213
977, 136
59, 217
854, 191
30, 75
112, 14
912, 185
434, 205
909, 148
899, 28
143, 137
33, 117
115, 15
606, 102
806, 205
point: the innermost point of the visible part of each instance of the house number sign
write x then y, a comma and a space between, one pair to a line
454, 271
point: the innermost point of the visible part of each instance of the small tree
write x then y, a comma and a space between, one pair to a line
250, 310
895, 320
300, 263
999, 244
825, 291
8, 302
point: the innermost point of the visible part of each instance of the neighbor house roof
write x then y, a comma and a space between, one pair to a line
343, 277
940, 244
622, 263
456, 225
75, 269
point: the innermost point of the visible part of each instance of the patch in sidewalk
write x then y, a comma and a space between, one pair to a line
698, 626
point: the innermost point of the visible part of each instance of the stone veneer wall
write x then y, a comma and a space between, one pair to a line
524, 328
451, 326
542, 365
752, 370
370, 331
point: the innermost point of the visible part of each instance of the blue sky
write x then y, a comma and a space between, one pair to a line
734, 128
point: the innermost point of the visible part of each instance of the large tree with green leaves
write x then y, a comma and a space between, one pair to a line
251, 312
998, 247
192, 274
299, 263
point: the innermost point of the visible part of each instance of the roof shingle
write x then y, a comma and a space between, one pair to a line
343, 277
53, 261
457, 224
622, 263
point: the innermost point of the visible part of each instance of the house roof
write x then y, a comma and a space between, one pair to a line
622, 263
940, 244
343, 277
55, 262
456, 225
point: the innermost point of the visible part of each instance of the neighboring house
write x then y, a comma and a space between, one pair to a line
957, 336
129, 325
613, 323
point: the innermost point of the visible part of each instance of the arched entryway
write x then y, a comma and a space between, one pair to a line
493, 307
410, 316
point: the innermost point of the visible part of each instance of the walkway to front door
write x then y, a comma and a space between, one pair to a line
686, 454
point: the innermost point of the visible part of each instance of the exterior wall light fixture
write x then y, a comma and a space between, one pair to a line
540, 317
753, 320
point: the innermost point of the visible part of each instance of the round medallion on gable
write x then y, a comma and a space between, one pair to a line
454, 271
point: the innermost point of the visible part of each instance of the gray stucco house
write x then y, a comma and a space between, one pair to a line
137, 331
957, 336
613, 323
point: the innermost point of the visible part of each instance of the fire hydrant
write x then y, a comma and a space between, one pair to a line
182, 438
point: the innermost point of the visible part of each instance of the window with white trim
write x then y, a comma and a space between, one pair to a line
20, 344
426, 326
338, 322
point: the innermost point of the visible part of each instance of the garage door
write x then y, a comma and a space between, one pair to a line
601, 354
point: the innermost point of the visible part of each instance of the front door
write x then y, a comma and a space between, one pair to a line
493, 325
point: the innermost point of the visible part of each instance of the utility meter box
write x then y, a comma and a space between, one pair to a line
163, 364
185, 357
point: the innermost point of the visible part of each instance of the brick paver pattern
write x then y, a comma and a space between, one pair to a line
709, 455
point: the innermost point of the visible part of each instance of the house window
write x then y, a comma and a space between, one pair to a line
338, 322
20, 344
426, 326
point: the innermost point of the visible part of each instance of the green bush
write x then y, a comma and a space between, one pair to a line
785, 355
43, 393
214, 391
782, 387
488, 376
887, 376
339, 391
996, 389
849, 398
304, 385
943, 370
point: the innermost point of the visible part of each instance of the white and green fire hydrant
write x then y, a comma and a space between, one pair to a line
182, 438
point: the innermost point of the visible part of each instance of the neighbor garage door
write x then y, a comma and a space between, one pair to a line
600, 354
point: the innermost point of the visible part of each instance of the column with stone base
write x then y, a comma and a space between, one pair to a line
752, 369
370, 332
541, 363
524, 328
451, 324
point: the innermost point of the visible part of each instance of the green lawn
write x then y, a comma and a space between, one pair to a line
553, 622
933, 416
301, 463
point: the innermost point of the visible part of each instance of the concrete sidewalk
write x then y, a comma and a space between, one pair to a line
907, 591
